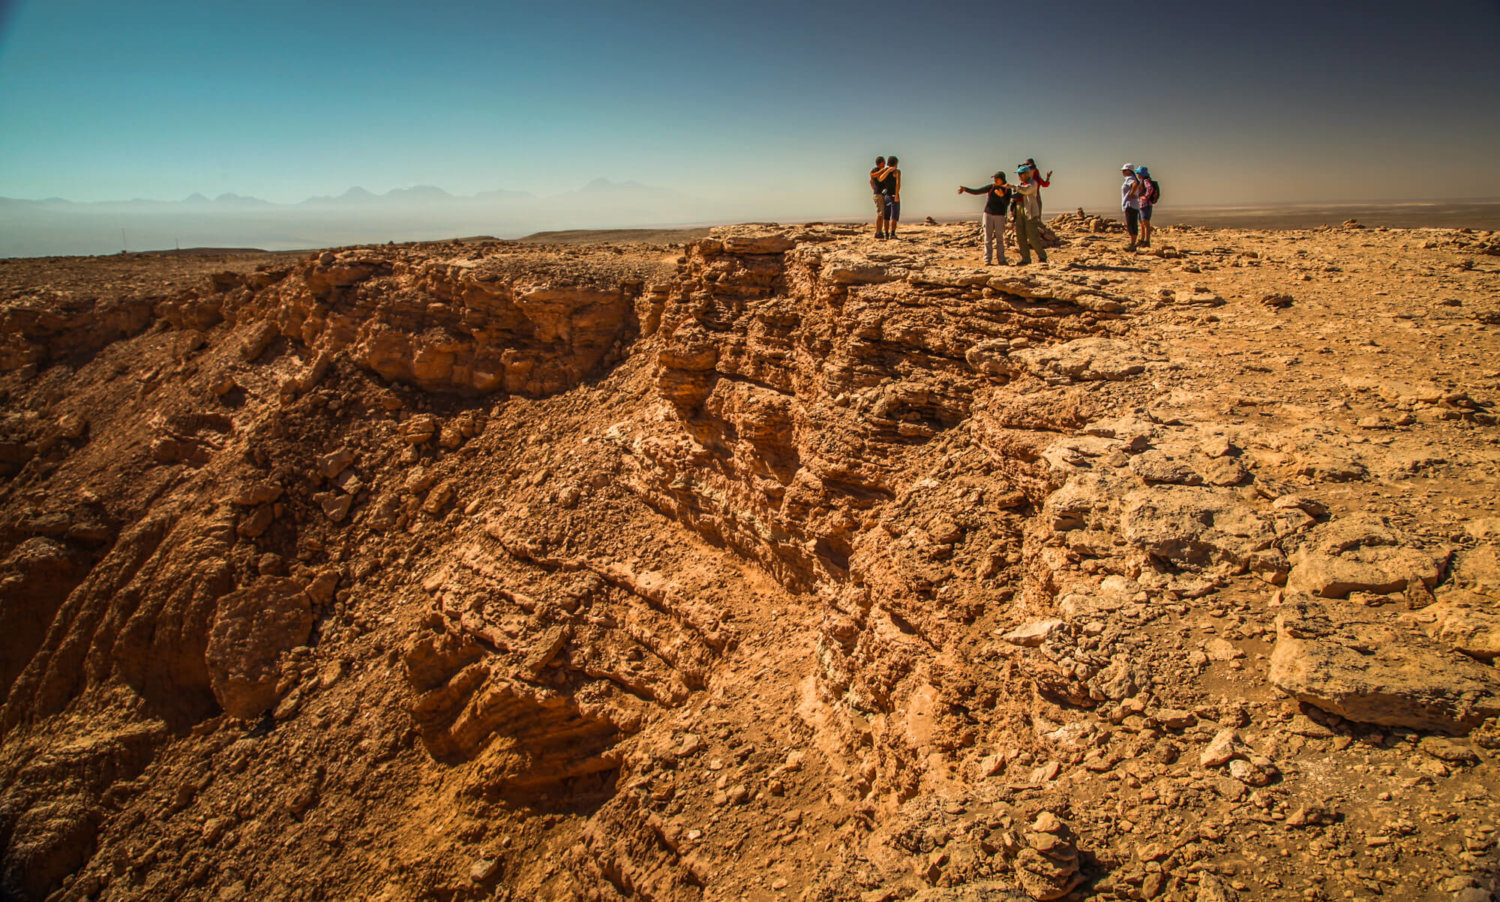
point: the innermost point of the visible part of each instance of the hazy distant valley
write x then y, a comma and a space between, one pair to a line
55, 226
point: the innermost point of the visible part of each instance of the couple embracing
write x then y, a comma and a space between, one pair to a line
885, 182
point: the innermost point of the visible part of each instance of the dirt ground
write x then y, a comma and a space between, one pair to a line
771, 563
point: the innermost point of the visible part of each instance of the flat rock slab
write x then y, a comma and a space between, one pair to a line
1468, 622
1194, 528
1084, 360
1362, 554
1366, 666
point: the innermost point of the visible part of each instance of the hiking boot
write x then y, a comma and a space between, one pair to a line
879, 235
1042, 257
1130, 246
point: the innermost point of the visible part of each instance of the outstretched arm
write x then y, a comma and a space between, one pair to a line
973, 190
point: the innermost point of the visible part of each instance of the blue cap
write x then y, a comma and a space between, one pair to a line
1142, 170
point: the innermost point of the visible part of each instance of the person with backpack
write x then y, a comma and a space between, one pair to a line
1041, 182
879, 198
1150, 191
992, 221
1028, 216
1130, 202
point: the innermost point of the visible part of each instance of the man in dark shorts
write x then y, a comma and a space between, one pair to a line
992, 221
890, 186
879, 198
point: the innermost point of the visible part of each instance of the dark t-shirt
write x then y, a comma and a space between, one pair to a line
997, 200
886, 185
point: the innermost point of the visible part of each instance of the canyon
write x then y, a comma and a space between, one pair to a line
781, 563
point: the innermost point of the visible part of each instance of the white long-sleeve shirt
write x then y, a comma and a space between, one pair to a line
1031, 200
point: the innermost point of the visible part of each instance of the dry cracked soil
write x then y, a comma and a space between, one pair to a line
781, 563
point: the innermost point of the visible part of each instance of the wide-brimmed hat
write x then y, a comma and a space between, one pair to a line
1127, 167
1143, 171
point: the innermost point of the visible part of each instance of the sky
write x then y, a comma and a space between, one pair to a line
776, 108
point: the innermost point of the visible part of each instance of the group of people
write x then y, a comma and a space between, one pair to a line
1023, 203
1017, 206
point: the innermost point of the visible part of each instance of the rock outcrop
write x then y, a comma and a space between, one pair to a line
495, 570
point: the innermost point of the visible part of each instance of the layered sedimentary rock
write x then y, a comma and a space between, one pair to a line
482, 570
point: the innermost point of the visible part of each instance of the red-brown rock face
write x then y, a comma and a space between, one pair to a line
779, 563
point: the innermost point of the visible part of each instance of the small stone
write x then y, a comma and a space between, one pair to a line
1152, 852
258, 521
419, 429
1224, 747
1447, 750
335, 504
1222, 650
1249, 773
1302, 725
439, 498
1046, 773
1047, 822
1175, 718
484, 870
256, 493
334, 463
1033, 634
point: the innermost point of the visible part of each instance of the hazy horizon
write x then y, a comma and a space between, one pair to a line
771, 113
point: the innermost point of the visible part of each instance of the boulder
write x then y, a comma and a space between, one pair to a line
1195, 528
774, 243
1362, 554
1363, 665
1468, 622
1083, 360
253, 627
1032, 634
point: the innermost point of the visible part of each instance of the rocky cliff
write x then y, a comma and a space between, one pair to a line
779, 564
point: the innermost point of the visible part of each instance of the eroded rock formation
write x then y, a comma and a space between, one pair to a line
778, 564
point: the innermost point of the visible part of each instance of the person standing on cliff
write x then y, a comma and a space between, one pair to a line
879, 198
992, 221
1041, 182
1147, 201
1028, 216
1130, 202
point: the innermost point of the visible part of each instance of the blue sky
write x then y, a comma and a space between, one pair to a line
782, 102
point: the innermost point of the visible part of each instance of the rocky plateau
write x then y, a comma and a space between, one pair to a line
778, 564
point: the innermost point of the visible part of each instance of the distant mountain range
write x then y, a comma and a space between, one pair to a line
55, 226
358, 195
